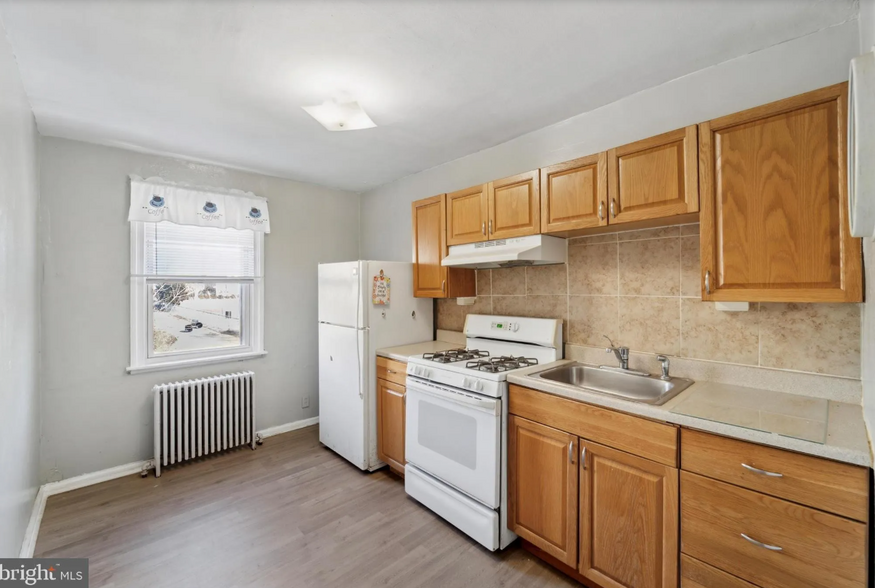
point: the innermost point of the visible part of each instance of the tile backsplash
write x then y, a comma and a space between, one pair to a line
642, 289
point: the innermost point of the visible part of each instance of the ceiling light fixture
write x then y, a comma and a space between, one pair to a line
345, 116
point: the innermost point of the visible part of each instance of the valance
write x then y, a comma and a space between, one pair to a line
154, 200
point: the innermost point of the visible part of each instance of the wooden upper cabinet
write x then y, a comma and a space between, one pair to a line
467, 215
430, 278
429, 220
628, 519
390, 423
574, 194
774, 221
515, 206
542, 487
654, 178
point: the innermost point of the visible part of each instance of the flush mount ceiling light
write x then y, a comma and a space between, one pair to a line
343, 116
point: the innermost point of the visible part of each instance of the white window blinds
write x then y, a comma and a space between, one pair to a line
190, 251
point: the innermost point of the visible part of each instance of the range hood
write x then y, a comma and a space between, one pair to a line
531, 250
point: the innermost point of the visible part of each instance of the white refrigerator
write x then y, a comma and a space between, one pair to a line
352, 326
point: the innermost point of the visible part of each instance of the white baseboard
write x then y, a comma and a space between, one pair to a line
76, 482
36, 517
280, 429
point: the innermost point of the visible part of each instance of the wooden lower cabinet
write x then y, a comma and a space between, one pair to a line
609, 514
628, 519
390, 424
619, 513
542, 487
767, 541
696, 574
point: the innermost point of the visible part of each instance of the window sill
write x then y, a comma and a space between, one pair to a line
184, 363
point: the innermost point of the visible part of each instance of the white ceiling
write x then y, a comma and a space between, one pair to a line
223, 81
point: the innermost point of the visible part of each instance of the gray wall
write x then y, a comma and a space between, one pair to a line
867, 25
19, 306
810, 62
100, 416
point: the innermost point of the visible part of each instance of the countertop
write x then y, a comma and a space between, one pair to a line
402, 352
846, 438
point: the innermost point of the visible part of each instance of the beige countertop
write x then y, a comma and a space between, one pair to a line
402, 352
846, 439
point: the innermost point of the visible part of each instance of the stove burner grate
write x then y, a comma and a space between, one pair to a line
504, 363
454, 355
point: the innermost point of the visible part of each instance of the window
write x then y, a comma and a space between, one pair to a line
196, 295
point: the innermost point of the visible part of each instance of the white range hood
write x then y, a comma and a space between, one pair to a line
531, 250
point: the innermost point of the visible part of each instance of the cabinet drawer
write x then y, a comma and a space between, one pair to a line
696, 574
819, 483
394, 371
644, 438
817, 550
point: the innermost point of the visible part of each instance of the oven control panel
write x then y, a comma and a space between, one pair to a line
505, 326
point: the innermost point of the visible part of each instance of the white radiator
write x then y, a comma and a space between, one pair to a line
199, 417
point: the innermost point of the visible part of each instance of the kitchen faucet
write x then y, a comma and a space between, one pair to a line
622, 353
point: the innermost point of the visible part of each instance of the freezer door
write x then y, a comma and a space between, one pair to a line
343, 410
340, 294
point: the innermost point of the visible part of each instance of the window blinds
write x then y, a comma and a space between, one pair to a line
191, 251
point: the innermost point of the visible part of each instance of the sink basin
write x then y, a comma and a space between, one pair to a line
646, 389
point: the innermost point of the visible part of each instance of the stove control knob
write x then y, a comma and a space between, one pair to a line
478, 385
516, 327
466, 383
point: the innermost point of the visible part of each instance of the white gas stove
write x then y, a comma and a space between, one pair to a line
456, 417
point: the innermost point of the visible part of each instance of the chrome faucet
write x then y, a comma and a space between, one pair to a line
622, 353
665, 366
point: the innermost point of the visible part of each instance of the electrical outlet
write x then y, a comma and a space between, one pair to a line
305, 402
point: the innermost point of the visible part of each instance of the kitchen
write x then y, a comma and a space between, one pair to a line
624, 346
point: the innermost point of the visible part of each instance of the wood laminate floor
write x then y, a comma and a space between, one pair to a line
289, 514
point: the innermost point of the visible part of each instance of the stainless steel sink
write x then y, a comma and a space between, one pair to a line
638, 388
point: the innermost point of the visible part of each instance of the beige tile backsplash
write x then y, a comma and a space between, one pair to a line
642, 289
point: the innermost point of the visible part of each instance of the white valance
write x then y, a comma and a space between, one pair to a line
154, 200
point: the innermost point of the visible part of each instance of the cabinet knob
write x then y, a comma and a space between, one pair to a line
571, 451
483, 227
708, 282
583, 457
490, 226
613, 208
444, 286
601, 211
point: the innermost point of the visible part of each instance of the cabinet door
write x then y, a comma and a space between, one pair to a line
774, 223
467, 215
574, 194
628, 519
542, 487
654, 178
429, 246
515, 206
390, 423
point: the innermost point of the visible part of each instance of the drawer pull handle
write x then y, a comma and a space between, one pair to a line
762, 472
571, 451
761, 544
391, 371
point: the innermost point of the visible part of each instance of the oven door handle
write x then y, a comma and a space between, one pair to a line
489, 405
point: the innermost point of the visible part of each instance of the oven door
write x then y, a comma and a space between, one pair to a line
455, 436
